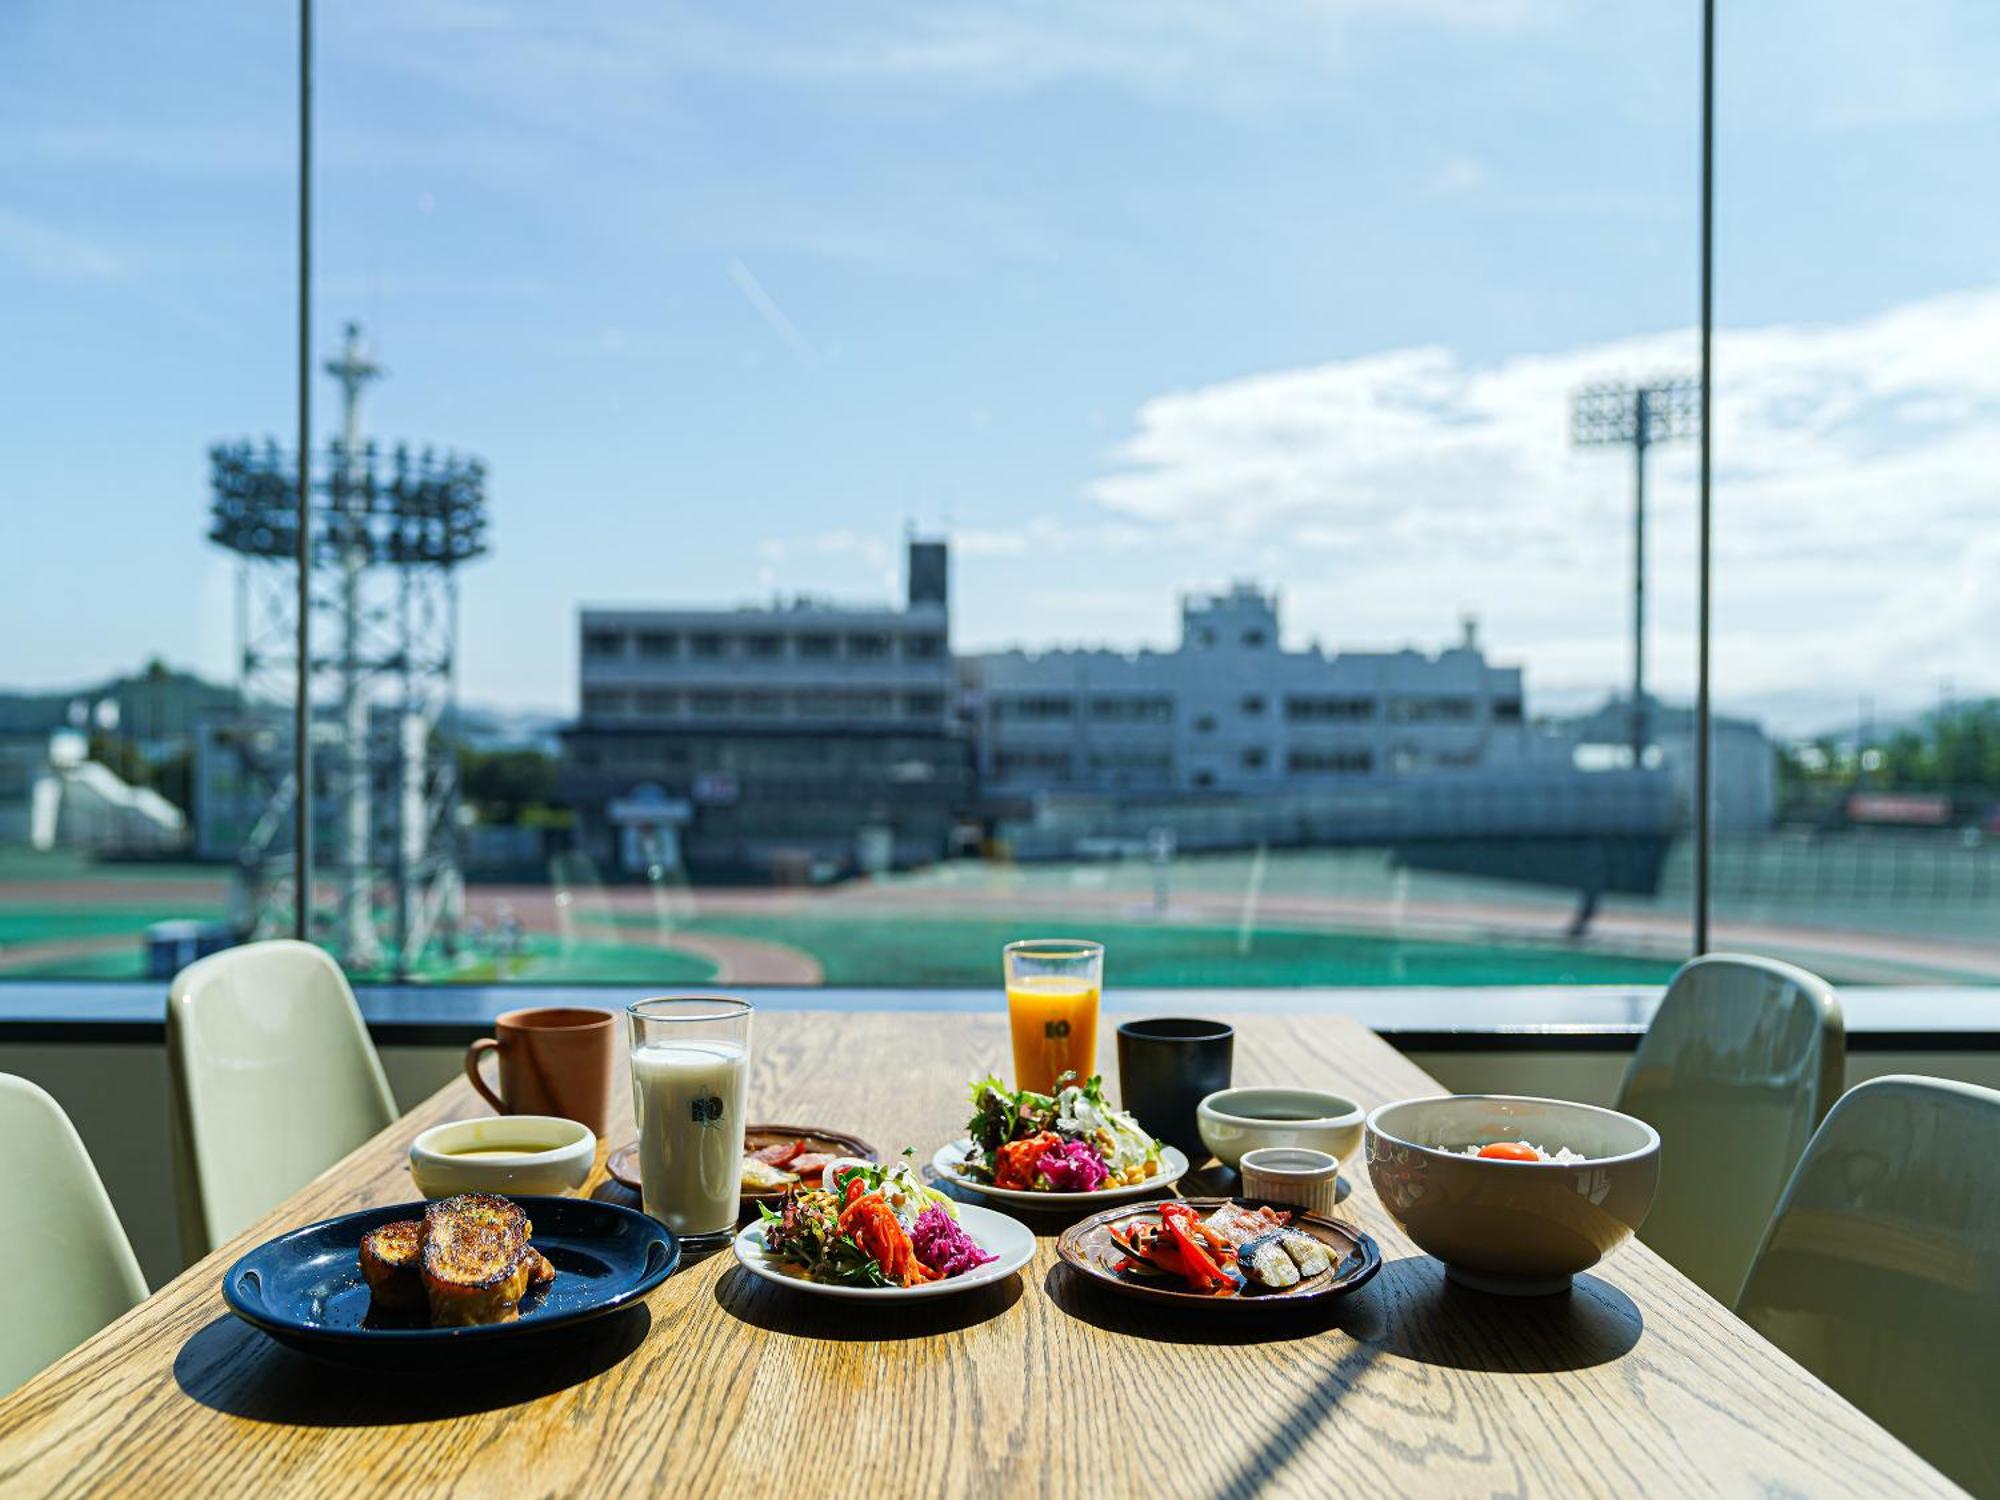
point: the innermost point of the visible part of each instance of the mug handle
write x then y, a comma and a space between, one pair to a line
472, 1056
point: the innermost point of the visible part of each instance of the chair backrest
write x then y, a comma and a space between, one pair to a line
1741, 1062
68, 1267
274, 1080
1880, 1272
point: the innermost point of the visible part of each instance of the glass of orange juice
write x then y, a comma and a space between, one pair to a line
1053, 988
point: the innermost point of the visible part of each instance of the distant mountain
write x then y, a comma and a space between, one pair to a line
484, 727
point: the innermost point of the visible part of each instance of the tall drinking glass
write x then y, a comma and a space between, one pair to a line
1053, 988
690, 1070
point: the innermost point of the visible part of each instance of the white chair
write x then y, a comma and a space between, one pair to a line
1880, 1272
1742, 1061
274, 1080
69, 1268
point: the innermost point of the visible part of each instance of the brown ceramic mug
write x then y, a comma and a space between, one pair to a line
553, 1061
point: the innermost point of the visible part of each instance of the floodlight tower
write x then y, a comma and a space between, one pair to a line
1614, 414
385, 548
350, 537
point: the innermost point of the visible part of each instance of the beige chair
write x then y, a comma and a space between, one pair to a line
1742, 1061
274, 1080
1881, 1269
68, 1268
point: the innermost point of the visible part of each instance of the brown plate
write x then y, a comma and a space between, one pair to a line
624, 1162
1087, 1246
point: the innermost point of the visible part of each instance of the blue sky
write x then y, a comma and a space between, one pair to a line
1134, 297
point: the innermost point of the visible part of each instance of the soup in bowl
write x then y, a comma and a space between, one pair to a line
1234, 1121
1514, 1195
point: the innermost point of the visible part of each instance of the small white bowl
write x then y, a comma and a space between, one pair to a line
1292, 1174
545, 1154
1238, 1120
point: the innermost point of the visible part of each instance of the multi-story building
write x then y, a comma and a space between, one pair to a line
1230, 710
758, 738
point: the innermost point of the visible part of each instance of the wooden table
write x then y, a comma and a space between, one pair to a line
1636, 1383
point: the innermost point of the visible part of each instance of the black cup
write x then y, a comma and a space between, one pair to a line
1166, 1068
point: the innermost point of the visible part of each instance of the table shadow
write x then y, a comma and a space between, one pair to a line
1434, 1321
1231, 1321
1407, 1310
231, 1367
753, 1300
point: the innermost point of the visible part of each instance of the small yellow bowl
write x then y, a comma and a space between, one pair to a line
531, 1154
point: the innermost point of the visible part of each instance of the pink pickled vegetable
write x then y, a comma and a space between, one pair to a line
943, 1245
1073, 1167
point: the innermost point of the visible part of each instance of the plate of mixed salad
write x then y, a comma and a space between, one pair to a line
1029, 1148
1220, 1249
876, 1231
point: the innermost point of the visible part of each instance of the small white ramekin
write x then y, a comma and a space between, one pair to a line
1292, 1174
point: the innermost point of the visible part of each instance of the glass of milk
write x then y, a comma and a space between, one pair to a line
690, 1069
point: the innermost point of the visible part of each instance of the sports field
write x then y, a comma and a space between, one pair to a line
1299, 917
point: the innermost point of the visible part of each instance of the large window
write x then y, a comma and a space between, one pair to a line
835, 488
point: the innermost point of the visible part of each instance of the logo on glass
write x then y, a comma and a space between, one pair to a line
706, 1111
1055, 1030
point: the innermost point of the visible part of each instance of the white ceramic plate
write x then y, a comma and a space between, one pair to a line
949, 1164
1009, 1240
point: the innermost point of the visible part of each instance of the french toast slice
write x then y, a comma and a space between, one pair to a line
540, 1272
391, 1257
476, 1260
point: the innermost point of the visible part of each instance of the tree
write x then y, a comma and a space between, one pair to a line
501, 785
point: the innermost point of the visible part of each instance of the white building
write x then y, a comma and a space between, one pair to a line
1745, 771
53, 796
1230, 710
761, 737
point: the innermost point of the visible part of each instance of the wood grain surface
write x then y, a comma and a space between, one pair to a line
1634, 1384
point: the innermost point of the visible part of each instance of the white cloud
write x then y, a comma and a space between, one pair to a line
55, 255
1857, 486
1235, 53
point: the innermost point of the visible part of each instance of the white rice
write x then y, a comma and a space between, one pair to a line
1562, 1156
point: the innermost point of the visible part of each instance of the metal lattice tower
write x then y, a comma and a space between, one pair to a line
1616, 415
388, 539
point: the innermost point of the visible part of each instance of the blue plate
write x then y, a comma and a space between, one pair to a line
305, 1289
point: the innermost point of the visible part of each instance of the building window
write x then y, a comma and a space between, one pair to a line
659, 702
1254, 639
1323, 710
1330, 762
604, 703
871, 647
1154, 710
658, 645
1253, 705
1204, 780
1046, 763
1155, 763
1506, 710
819, 647
761, 705
1431, 710
1254, 758
708, 645
711, 701
764, 646
923, 705
1205, 724
1036, 709
599, 644
923, 647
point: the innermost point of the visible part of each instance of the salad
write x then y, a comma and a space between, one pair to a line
1072, 1141
876, 1226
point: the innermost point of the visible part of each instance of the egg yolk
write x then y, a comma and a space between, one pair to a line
1510, 1151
